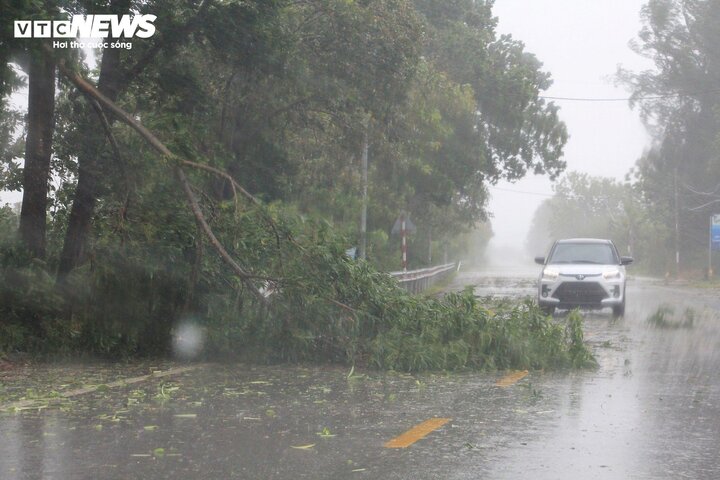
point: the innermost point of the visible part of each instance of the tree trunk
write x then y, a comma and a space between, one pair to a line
89, 170
38, 150
112, 80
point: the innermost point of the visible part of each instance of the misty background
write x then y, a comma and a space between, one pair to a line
581, 43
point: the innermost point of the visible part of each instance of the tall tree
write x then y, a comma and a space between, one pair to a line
38, 151
115, 77
90, 165
680, 104
40, 69
522, 133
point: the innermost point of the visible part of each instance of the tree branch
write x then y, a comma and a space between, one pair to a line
87, 88
195, 207
237, 187
113, 143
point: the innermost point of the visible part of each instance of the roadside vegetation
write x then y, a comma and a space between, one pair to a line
212, 176
665, 317
324, 307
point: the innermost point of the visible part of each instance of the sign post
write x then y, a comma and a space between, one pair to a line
714, 243
403, 241
403, 226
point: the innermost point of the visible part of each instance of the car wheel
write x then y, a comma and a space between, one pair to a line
619, 310
547, 309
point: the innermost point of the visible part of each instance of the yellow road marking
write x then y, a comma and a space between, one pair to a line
512, 378
416, 433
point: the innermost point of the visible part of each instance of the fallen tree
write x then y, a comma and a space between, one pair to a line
326, 307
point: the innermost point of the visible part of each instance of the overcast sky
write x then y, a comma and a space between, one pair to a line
581, 43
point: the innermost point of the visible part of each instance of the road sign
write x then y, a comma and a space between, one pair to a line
397, 226
715, 232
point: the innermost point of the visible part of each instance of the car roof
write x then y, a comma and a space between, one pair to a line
585, 240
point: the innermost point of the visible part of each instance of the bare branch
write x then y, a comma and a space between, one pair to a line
713, 193
235, 186
84, 86
341, 305
195, 207
106, 127
700, 207
113, 143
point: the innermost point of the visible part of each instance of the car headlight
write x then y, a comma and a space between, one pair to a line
612, 274
550, 274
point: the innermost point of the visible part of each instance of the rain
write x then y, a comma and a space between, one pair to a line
393, 239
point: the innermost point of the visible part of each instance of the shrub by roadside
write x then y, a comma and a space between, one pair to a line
325, 308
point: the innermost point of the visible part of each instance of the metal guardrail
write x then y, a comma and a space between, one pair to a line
415, 281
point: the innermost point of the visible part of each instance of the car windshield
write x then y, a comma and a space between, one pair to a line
596, 253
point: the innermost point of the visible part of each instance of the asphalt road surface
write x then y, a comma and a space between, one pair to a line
651, 411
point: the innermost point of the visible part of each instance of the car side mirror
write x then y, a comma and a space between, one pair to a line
540, 260
626, 260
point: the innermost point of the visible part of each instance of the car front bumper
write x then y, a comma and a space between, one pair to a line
595, 293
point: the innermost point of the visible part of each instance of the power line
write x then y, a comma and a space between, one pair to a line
626, 99
580, 99
604, 198
522, 191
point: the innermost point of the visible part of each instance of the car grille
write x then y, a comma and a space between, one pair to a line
580, 293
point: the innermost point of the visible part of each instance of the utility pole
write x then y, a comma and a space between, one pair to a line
363, 215
710, 241
429, 247
403, 241
677, 225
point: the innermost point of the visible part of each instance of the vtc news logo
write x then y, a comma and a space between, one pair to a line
88, 26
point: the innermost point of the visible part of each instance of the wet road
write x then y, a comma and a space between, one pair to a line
652, 410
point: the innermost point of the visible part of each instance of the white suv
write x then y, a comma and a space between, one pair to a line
585, 273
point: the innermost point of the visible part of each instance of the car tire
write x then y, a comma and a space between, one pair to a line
619, 310
547, 309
